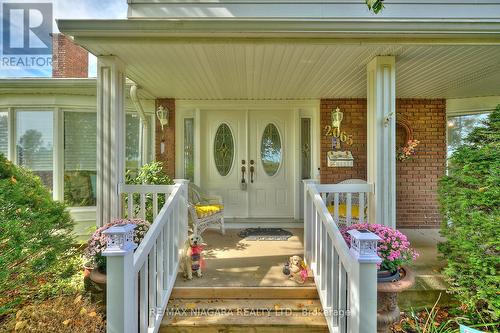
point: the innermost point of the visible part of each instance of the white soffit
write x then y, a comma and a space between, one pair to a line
287, 70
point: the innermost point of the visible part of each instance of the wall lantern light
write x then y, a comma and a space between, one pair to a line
162, 114
337, 117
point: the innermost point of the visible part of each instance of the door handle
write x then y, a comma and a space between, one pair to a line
243, 184
252, 171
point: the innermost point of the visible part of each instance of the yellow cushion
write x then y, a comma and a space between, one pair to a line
343, 210
206, 210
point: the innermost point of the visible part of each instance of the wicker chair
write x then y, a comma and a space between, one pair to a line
342, 220
205, 210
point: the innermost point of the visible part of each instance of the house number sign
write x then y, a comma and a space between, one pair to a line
340, 135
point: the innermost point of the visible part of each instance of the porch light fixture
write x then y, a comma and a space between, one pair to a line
162, 114
337, 117
364, 245
120, 240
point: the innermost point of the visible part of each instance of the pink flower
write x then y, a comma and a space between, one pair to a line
394, 248
98, 241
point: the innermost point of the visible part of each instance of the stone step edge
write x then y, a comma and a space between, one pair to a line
205, 303
264, 320
309, 292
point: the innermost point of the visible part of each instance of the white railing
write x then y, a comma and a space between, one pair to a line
139, 283
347, 285
353, 197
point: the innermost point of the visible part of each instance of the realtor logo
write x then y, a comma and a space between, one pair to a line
27, 28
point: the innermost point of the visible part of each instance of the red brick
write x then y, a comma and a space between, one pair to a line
417, 178
167, 135
68, 59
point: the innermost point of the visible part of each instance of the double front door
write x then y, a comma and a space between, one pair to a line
246, 157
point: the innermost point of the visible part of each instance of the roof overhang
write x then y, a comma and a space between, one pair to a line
376, 30
290, 59
59, 86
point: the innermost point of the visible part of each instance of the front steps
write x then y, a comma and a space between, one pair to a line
245, 309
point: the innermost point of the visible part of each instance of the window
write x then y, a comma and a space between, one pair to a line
4, 134
305, 148
80, 142
270, 150
35, 143
459, 127
223, 149
132, 142
189, 149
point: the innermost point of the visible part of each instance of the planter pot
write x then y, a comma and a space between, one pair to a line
97, 276
388, 276
87, 269
95, 284
387, 299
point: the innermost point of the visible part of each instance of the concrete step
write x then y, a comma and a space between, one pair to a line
298, 292
425, 292
244, 315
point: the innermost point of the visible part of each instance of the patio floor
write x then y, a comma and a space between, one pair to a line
235, 262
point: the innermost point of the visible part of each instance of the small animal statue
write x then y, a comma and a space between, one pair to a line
297, 269
192, 256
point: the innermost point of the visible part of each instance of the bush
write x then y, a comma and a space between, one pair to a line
470, 204
35, 234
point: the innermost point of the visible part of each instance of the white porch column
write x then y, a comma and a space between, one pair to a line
381, 139
110, 136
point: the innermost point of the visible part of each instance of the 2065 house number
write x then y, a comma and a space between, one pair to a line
341, 135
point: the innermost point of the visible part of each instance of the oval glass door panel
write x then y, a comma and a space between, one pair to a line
223, 149
270, 150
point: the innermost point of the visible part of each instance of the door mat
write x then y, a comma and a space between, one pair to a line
265, 234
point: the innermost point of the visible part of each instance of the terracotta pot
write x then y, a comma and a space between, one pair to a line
387, 299
97, 276
87, 269
388, 276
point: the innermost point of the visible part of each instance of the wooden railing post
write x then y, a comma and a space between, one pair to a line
308, 218
183, 214
121, 289
363, 282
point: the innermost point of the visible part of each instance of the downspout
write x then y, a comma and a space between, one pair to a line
145, 124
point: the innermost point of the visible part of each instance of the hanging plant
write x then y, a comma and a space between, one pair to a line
408, 150
375, 5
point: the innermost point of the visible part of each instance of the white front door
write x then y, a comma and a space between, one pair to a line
258, 141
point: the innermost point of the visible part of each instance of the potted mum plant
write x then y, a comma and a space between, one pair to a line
393, 276
96, 266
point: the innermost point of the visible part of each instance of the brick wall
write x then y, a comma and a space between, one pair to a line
416, 179
167, 136
68, 59
354, 122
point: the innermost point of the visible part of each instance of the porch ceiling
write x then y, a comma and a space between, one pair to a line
250, 67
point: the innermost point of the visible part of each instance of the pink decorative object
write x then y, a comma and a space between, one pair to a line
394, 247
98, 241
407, 151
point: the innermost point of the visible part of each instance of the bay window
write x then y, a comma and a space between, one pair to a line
80, 142
35, 143
459, 128
60, 146
4, 134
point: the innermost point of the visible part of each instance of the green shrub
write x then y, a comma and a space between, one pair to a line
35, 234
151, 174
470, 204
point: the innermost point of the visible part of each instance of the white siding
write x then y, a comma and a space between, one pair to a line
326, 9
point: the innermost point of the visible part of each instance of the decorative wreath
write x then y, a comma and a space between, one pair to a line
407, 151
